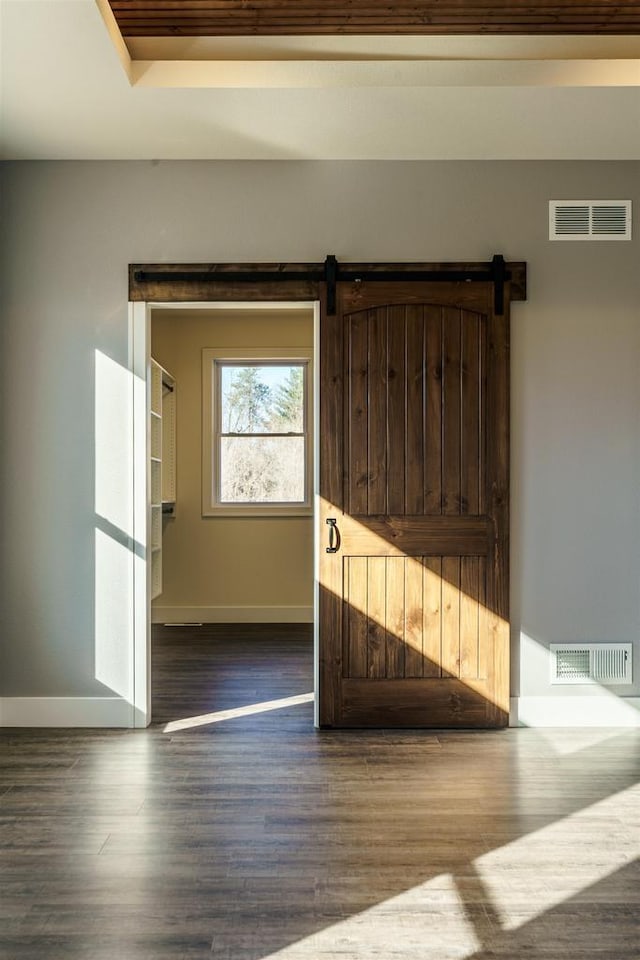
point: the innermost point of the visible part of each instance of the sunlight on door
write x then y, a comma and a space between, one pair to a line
418, 621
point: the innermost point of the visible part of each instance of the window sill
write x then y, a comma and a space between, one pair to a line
257, 510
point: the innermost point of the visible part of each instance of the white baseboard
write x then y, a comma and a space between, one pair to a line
166, 614
65, 712
115, 712
578, 711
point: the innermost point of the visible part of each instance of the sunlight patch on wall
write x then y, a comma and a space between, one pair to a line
114, 457
114, 574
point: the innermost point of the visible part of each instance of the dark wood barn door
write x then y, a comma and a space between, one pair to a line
414, 453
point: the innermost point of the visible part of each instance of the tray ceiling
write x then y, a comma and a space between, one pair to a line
73, 89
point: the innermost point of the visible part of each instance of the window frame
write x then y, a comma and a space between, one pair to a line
213, 359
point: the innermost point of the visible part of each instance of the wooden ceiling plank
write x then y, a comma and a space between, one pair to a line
410, 9
403, 13
383, 31
354, 5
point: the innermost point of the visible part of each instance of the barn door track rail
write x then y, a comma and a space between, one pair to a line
228, 281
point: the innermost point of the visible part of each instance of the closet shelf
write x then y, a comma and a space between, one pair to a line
161, 464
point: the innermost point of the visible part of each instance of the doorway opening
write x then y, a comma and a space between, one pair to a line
231, 549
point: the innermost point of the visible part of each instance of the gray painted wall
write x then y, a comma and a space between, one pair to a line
69, 231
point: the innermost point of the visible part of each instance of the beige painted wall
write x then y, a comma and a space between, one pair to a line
227, 568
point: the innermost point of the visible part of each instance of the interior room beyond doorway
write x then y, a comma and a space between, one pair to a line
228, 569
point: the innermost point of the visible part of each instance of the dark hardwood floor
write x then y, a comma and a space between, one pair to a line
235, 835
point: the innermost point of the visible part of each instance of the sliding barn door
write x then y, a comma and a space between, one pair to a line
413, 613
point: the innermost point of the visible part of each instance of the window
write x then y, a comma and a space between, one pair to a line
257, 436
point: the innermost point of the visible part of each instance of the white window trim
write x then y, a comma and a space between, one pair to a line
210, 432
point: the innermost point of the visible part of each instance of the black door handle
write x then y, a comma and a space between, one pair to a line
334, 535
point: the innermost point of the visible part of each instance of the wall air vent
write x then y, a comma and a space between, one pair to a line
606, 663
590, 220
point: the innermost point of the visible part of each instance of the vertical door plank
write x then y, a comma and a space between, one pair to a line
415, 415
376, 618
356, 616
395, 617
414, 617
432, 619
377, 411
451, 413
490, 640
485, 654
433, 416
357, 407
482, 445
469, 587
346, 618
501, 671
396, 410
451, 616
470, 418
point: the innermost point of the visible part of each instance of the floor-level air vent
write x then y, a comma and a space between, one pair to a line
590, 220
608, 663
